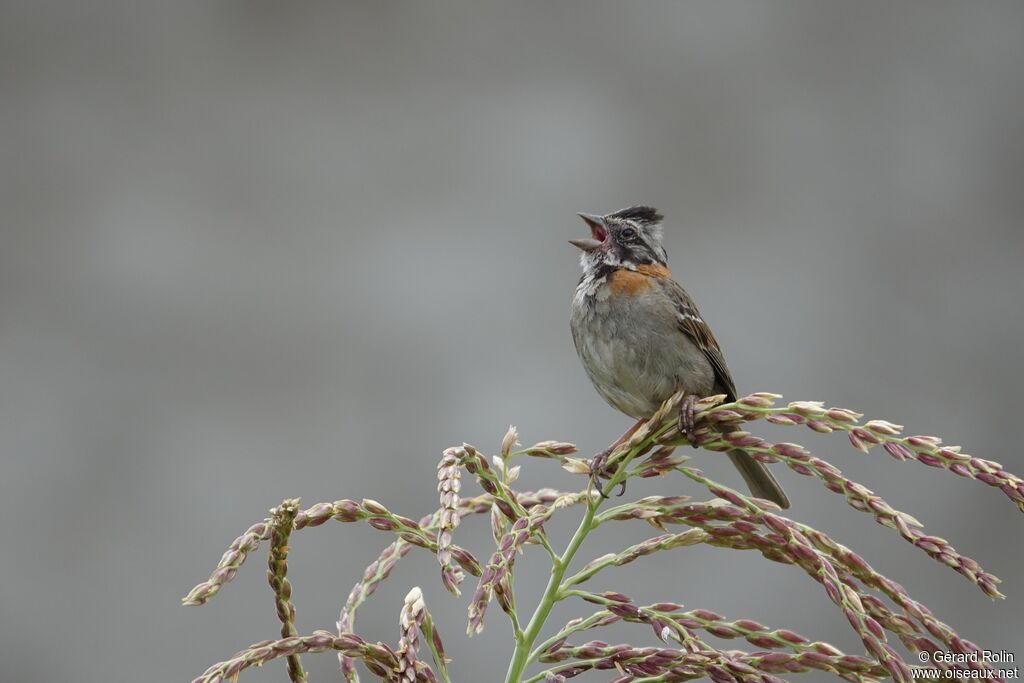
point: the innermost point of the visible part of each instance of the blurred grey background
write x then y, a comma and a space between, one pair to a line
258, 250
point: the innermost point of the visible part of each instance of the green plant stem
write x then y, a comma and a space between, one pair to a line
546, 544
550, 597
513, 614
439, 657
583, 625
552, 593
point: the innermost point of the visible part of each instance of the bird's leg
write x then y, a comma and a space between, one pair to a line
597, 463
597, 469
687, 411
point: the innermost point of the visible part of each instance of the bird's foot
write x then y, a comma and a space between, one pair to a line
598, 465
687, 419
598, 472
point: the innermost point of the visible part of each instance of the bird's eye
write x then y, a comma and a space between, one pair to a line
628, 234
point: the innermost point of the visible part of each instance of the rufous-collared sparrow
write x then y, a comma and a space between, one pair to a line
641, 337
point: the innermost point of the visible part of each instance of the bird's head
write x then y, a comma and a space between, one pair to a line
626, 238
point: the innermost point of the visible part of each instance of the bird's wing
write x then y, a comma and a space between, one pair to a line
693, 325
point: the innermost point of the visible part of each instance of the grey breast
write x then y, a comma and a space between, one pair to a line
633, 349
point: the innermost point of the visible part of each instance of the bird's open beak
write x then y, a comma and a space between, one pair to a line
598, 233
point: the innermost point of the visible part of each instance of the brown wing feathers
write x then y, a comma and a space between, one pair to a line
694, 327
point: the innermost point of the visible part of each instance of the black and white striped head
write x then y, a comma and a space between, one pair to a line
624, 239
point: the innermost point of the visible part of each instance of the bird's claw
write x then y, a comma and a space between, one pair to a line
598, 472
687, 418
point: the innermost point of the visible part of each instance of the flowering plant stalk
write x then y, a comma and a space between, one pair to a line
880, 611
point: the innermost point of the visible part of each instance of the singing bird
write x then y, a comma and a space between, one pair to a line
640, 336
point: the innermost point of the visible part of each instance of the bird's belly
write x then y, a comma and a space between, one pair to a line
635, 354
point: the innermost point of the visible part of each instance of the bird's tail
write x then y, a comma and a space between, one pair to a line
759, 480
